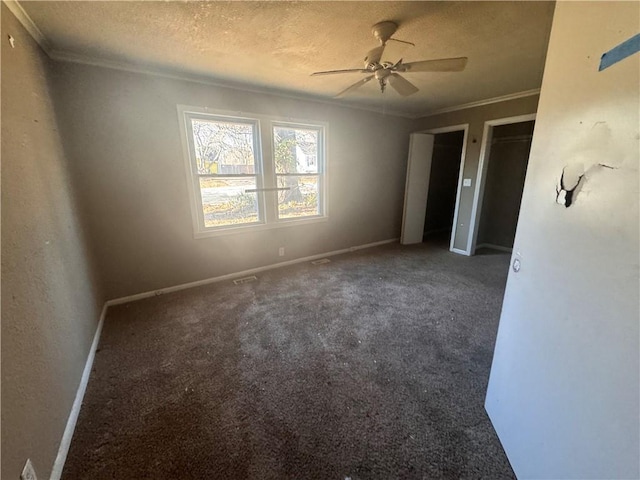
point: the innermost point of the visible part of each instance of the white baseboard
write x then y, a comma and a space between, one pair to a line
460, 252
494, 247
65, 443
244, 273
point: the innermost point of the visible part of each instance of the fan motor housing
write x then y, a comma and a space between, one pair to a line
382, 73
383, 31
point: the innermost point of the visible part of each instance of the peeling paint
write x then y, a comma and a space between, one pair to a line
571, 181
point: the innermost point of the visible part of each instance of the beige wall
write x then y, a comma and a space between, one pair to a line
50, 298
565, 382
475, 117
122, 135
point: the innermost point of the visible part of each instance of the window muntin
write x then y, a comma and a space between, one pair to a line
238, 180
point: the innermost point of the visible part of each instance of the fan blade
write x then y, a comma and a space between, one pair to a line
394, 50
333, 72
440, 65
355, 85
401, 85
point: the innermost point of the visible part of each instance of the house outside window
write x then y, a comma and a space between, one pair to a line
253, 171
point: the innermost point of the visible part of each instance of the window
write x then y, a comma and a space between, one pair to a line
295, 154
253, 172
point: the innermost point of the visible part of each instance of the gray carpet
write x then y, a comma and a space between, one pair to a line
373, 366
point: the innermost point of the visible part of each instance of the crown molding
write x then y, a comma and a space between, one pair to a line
480, 103
64, 56
24, 18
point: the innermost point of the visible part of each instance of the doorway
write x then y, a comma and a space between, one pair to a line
506, 149
443, 186
432, 192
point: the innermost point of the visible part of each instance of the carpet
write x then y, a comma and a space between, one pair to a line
372, 366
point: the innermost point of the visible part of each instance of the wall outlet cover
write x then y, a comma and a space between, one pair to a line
28, 472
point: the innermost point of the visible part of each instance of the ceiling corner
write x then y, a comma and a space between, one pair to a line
26, 21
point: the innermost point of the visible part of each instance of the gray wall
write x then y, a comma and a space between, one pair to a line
564, 388
475, 117
504, 181
122, 136
50, 297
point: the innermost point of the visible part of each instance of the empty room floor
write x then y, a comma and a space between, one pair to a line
372, 366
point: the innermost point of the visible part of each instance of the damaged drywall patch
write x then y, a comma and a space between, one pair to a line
571, 181
568, 184
594, 149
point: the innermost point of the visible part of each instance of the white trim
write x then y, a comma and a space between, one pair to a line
65, 443
265, 173
62, 56
456, 128
70, 57
481, 173
461, 252
494, 247
29, 25
480, 103
243, 273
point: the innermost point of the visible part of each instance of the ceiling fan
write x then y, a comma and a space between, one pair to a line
378, 66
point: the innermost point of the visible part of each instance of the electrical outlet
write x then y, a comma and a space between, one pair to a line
28, 472
281, 251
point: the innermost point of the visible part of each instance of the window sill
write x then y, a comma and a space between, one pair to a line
256, 227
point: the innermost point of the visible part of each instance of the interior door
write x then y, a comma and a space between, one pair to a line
417, 187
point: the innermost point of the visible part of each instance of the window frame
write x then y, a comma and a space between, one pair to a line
320, 161
265, 169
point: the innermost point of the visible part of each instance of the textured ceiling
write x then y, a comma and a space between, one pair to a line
277, 45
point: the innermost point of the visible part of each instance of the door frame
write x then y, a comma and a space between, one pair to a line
464, 127
481, 174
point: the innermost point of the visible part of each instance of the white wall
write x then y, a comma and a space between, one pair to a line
564, 388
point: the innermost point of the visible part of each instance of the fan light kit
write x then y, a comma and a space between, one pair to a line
379, 65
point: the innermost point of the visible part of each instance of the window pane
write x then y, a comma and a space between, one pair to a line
301, 199
295, 150
224, 201
223, 147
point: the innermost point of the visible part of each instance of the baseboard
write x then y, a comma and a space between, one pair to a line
65, 443
460, 252
244, 273
494, 247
